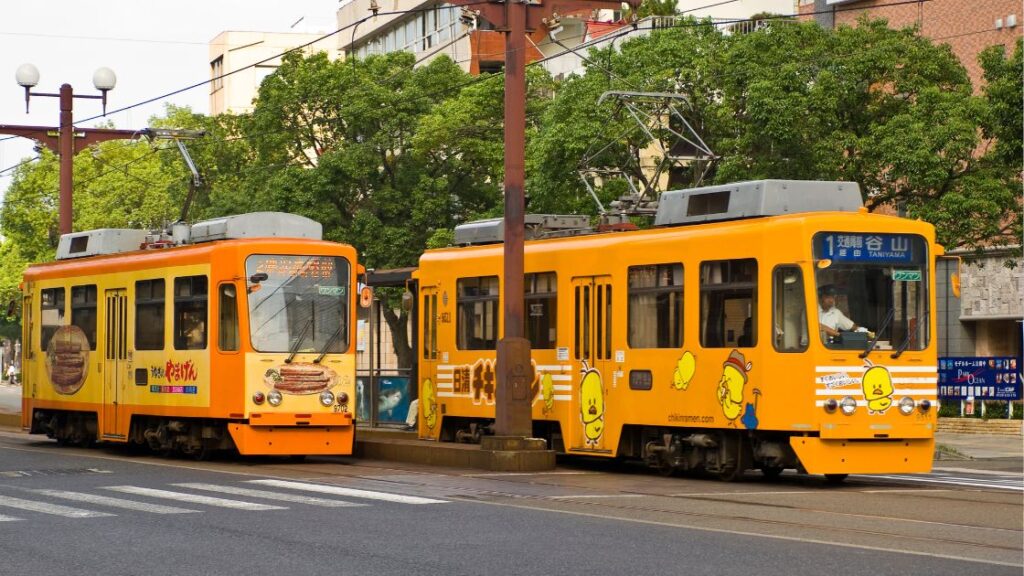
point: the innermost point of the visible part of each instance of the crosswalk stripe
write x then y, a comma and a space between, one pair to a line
268, 495
351, 492
47, 508
114, 502
193, 498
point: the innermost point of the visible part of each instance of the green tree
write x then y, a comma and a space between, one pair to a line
369, 149
885, 108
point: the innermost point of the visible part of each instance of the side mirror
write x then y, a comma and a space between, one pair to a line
407, 300
12, 308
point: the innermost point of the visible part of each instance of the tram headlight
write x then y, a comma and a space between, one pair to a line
274, 398
326, 398
848, 405
258, 398
906, 405
925, 405
830, 405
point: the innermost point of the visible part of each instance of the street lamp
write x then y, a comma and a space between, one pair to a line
65, 140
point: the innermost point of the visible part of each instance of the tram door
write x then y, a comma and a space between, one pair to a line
115, 363
427, 373
592, 356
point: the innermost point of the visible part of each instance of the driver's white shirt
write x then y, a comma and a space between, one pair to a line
834, 319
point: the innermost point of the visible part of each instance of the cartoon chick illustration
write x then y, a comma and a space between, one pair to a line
685, 369
877, 387
730, 387
591, 405
547, 391
429, 403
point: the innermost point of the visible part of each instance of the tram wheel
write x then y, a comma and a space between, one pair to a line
771, 472
835, 478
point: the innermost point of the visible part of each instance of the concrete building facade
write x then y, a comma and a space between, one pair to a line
249, 57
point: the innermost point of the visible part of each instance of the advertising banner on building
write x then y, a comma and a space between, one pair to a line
981, 378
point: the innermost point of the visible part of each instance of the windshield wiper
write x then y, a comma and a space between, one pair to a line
906, 341
878, 334
295, 347
327, 346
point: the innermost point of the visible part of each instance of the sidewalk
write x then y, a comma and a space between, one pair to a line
980, 446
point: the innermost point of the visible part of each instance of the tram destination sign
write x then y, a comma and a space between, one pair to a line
983, 378
860, 247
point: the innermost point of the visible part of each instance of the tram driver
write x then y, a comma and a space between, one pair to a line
831, 319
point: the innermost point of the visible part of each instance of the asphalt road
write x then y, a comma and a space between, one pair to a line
104, 511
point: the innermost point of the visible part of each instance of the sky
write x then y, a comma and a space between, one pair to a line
153, 48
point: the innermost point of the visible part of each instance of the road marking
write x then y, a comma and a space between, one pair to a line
874, 549
351, 492
46, 508
237, 491
555, 473
974, 483
575, 496
973, 471
8, 518
114, 502
194, 498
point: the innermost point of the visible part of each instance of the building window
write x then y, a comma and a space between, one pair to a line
216, 73
656, 306
541, 310
477, 304
149, 314
83, 311
190, 294
52, 314
728, 303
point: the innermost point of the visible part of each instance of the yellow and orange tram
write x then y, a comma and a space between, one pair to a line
698, 344
230, 333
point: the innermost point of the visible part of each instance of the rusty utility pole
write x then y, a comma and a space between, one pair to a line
65, 140
515, 18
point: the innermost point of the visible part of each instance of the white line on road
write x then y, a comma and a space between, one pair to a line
973, 471
46, 508
194, 498
8, 518
237, 491
575, 496
114, 502
351, 492
976, 484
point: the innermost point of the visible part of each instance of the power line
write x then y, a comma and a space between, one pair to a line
271, 58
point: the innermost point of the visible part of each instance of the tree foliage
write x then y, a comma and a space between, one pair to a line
885, 108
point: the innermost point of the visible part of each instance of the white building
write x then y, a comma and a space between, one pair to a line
249, 57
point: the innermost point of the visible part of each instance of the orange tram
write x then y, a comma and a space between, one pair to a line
700, 344
230, 333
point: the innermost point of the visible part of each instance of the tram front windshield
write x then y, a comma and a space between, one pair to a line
872, 288
298, 304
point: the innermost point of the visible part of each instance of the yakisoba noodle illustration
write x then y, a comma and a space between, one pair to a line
67, 357
300, 378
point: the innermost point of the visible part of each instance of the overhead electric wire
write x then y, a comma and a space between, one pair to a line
625, 31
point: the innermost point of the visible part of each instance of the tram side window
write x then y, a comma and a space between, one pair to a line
190, 294
656, 306
227, 327
150, 296
541, 307
789, 310
430, 326
477, 322
83, 311
51, 302
728, 303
